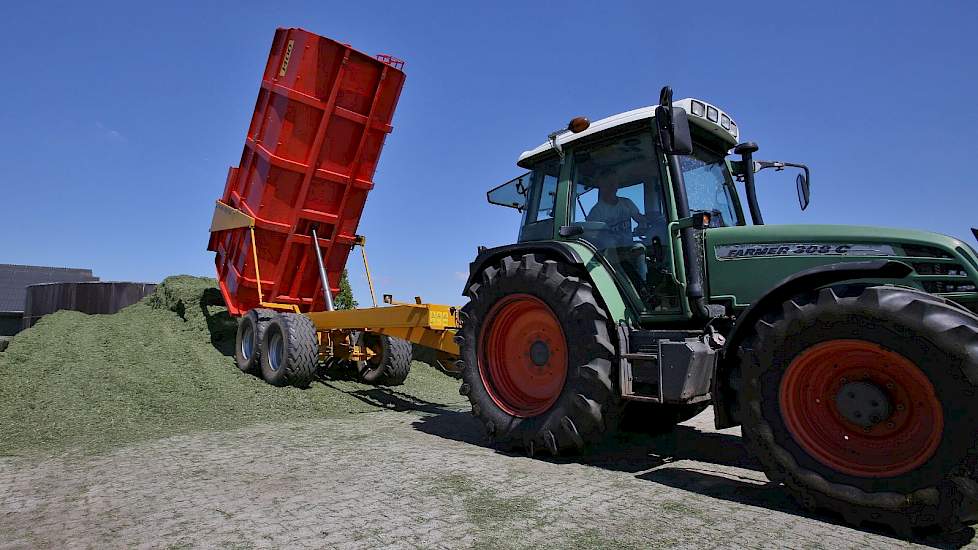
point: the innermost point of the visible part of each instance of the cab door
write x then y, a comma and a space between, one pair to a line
619, 198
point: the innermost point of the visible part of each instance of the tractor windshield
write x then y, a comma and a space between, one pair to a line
709, 187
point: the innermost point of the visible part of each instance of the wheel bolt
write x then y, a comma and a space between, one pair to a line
890, 424
889, 385
900, 406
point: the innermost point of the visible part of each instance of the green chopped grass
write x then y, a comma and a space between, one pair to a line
163, 367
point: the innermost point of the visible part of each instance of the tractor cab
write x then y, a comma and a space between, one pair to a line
607, 185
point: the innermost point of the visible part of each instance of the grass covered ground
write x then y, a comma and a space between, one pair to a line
159, 368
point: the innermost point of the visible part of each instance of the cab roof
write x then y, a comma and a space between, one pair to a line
729, 137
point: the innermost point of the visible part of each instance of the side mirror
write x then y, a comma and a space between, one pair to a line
804, 191
672, 126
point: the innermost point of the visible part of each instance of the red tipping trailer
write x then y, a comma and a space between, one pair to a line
323, 112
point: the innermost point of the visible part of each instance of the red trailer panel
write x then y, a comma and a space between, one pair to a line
323, 112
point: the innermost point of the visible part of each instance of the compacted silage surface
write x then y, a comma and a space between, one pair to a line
164, 367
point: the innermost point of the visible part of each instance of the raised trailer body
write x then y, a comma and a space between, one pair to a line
322, 114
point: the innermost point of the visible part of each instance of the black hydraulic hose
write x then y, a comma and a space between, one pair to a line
694, 269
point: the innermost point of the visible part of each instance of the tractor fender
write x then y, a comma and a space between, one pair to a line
490, 255
724, 398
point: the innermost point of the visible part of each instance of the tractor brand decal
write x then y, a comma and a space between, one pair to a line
286, 58
733, 251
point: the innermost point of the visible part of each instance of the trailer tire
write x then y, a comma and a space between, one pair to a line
291, 351
656, 418
249, 338
914, 463
532, 309
391, 363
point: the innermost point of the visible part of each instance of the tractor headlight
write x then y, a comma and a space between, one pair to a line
712, 114
697, 108
725, 122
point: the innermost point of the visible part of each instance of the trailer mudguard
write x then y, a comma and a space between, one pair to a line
724, 396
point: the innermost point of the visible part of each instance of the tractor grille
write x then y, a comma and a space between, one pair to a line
935, 273
948, 287
925, 268
921, 251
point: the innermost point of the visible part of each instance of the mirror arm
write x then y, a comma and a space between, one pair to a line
779, 166
808, 174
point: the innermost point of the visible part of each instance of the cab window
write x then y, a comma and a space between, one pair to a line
538, 218
709, 187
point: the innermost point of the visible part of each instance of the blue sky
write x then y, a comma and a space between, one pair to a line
119, 120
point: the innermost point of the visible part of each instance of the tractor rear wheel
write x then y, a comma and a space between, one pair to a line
391, 362
247, 342
537, 356
656, 418
865, 404
290, 351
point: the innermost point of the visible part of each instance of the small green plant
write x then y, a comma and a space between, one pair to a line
344, 299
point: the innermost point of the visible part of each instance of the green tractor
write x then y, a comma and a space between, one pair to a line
638, 292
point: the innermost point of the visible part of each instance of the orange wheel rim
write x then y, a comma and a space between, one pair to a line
523, 358
861, 409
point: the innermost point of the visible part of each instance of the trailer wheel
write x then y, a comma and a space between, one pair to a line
247, 342
391, 362
655, 418
537, 356
291, 351
866, 405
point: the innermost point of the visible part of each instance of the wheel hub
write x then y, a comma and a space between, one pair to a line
861, 409
276, 351
523, 355
247, 342
863, 403
539, 353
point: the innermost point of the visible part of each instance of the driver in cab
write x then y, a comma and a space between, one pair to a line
616, 213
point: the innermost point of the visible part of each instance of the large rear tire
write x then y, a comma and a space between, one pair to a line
537, 356
248, 340
290, 351
391, 362
864, 404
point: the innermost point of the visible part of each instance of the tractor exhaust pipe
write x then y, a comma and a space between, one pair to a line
746, 152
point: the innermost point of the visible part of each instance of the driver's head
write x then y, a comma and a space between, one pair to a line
606, 185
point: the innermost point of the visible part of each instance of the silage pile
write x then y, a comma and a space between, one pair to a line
163, 367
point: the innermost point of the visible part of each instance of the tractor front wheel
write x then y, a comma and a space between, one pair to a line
865, 403
538, 356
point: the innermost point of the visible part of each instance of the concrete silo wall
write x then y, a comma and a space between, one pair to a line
91, 297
